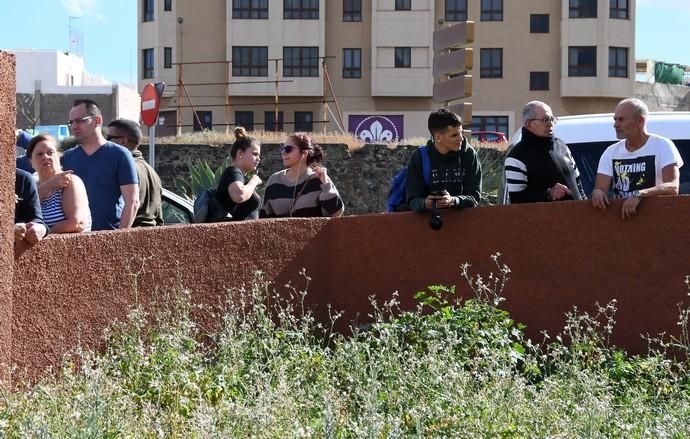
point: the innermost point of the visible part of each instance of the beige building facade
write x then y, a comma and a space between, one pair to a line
235, 62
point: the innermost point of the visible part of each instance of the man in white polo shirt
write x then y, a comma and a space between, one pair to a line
640, 165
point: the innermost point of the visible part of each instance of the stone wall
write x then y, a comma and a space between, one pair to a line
362, 176
663, 97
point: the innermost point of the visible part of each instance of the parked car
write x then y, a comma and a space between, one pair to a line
58, 131
176, 209
590, 134
489, 137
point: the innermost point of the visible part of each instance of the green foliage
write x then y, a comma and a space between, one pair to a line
201, 176
492, 173
452, 368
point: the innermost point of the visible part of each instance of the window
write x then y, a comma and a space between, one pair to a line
148, 10
167, 57
619, 9
352, 63
352, 10
583, 8
491, 63
490, 123
245, 119
582, 61
270, 121
301, 9
167, 5
247, 9
206, 119
539, 23
492, 10
618, 62
403, 5
249, 61
147, 63
538, 80
456, 10
301, 61
403, 57
304, 121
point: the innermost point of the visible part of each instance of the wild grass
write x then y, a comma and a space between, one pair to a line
450, 368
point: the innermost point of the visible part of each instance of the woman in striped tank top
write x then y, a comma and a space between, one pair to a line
64, 202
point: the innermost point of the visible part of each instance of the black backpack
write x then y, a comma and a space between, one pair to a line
208, 208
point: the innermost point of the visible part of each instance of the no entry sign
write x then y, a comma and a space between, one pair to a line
150, 103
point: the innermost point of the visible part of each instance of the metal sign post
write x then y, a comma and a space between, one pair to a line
150, 103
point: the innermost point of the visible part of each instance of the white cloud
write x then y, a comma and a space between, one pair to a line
79, 8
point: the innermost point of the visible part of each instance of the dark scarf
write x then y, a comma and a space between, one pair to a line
537, 142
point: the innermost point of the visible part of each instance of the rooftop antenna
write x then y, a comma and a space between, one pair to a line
76, 43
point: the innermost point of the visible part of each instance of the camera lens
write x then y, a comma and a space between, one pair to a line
435, 221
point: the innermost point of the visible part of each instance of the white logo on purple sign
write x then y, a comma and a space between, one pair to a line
377, 128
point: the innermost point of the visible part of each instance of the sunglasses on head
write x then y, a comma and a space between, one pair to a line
286, 149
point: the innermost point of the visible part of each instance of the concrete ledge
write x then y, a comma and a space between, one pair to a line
69, 288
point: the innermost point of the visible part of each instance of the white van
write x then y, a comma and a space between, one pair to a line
589, 135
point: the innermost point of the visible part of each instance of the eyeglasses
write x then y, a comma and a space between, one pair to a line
114, 137
79, 120
548, 119
286, 149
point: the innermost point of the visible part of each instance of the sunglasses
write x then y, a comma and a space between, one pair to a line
113, 137
79, 120
287, 149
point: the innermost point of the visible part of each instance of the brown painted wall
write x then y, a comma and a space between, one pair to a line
7, 141
69, 288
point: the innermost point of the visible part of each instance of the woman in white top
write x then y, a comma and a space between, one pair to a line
64, 202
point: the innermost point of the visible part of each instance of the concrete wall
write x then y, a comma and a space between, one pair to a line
664, 97
7, 141
69, 288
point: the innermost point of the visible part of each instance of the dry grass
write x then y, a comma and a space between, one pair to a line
352, 142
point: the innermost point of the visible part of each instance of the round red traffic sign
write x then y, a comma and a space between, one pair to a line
150, 102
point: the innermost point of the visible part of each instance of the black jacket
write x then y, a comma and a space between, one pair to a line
28, 207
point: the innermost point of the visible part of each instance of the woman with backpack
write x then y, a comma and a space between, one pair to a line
237, 186
303, 189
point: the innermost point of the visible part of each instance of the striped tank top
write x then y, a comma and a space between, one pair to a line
52, 210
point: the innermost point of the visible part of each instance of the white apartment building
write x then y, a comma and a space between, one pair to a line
235, 62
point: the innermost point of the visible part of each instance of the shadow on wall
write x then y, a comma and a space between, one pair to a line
561, 255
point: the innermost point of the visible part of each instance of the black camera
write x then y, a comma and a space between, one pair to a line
435, 220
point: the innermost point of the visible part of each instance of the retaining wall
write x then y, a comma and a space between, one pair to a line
68, 289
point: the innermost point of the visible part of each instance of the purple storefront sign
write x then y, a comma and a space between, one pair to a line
377, 128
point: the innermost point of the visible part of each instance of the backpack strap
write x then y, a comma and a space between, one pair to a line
426, 165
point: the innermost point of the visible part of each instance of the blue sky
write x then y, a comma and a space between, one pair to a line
110, 44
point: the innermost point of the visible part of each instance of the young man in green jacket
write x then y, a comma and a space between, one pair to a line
456, 174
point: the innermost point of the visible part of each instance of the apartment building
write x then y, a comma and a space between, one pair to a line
260, 63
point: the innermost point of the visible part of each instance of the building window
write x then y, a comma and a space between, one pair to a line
249, 61
148, 10
301, 9
491, 63
492, 10
583, 8
619, 9
247, 9
456, 10
167, 57
167, 5
301, 61
403, 5
490, 123
403, 57
147, 63
352, 10
304, 121
539, 23
206, 119
245, 119
352, 63
270, 121
538, 80
582, 61
618, 62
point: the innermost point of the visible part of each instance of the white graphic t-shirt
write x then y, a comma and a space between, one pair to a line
640, 169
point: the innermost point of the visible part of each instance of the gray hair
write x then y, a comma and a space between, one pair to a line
529, 110
637, 105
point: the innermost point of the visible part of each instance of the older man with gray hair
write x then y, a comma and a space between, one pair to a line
540, 166
640, 164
